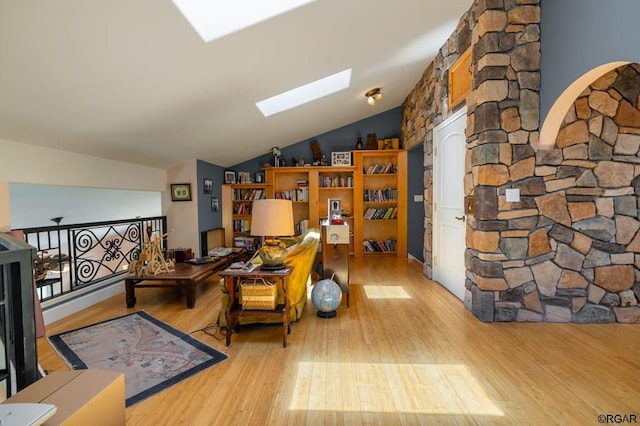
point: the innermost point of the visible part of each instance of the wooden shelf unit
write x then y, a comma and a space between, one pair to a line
311, 187
380, 212
324, 183
237, 200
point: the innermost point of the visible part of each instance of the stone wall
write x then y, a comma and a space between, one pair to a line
568, 251
589, 209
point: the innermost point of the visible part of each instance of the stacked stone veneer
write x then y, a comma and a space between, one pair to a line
569, 250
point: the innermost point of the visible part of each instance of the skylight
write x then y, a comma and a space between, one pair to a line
307, 93
218, 18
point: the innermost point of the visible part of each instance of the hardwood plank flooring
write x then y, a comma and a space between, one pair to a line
406, 352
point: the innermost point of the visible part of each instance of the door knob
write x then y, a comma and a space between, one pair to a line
461, 218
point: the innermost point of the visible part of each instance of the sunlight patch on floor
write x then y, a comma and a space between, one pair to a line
379, 387
386, 292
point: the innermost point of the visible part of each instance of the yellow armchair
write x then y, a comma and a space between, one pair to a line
301, 256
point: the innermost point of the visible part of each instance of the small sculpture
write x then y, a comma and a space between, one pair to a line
151, 260
276, 156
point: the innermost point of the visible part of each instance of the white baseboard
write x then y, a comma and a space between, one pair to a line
72, 305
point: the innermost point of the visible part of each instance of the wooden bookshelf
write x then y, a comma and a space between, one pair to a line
376, 183
380, 212
237, 204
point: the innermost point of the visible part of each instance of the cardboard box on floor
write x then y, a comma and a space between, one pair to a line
82, 397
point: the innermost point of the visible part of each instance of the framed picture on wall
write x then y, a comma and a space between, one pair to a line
341, 158
229, 176
215, 204
207, 186
180, 192
244, 177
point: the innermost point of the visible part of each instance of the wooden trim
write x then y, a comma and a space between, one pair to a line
460, 80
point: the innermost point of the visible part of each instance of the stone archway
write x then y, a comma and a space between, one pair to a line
553, 121
590, 205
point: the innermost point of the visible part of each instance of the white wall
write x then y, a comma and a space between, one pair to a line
22, 163
5, 211
35, 205
28, 164
182, 216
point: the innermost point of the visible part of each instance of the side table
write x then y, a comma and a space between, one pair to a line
234, 308
335, 255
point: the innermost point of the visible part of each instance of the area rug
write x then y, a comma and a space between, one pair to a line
152, 355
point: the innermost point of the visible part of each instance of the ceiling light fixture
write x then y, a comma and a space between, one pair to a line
373, 95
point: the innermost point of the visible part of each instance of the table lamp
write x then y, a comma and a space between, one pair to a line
272, 218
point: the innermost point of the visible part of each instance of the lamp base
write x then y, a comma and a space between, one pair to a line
330, 314
272, 254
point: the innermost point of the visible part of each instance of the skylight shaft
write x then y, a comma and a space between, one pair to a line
306, 93
213, 19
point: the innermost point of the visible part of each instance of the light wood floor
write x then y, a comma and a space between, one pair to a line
406, 352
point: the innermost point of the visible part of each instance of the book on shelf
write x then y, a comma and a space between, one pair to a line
376, 195
242, 267
243, 208
300, 194
219, 251
203, 260
373, 246
241, 225
381, 213
390, 168
240, 194
378, 169
302, 226
341, 181
249, 243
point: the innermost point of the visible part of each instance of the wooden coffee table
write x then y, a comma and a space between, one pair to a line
185, 276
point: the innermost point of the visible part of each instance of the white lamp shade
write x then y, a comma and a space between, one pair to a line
272, 218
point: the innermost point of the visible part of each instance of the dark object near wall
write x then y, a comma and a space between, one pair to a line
315, 150
180, 255
372, 141
210, 239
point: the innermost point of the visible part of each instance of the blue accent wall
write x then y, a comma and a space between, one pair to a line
208, 219
579, 35
415, 210
384, 125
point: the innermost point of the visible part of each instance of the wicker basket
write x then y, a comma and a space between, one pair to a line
258, 294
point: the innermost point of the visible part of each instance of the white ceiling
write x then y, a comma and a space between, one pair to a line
131, 80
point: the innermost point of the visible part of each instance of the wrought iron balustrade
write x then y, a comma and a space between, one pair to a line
78, 256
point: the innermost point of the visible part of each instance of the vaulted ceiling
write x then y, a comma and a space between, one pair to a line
132, 81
